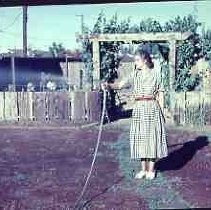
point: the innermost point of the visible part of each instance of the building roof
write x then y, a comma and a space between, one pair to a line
61, 59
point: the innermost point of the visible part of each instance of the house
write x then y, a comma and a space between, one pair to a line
38, 70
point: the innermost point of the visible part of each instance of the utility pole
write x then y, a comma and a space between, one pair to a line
25, 31
13, 71
82, 23
195, 11
83, 73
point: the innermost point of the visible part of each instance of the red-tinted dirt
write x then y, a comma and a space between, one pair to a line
188, 166
46, 169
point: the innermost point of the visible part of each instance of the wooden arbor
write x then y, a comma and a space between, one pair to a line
169, 37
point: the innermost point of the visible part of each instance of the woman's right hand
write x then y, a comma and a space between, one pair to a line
105, 85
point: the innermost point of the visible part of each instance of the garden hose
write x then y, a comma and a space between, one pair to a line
77, 205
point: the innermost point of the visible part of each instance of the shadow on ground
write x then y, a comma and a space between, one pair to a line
178, 158
117, 113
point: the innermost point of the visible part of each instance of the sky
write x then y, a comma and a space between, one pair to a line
47, 24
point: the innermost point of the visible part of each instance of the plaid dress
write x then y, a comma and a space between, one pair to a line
148, 137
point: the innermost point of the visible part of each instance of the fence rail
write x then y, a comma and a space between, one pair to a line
189, 108
50, 106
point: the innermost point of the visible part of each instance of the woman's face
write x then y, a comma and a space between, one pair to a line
139, 61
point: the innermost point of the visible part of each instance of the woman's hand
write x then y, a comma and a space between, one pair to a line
114, 85
131, 97
105, 86
157, 96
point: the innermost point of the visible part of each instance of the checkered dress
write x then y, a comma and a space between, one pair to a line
148, 137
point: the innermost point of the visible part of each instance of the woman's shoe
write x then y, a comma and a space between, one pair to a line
150, 175
140, 174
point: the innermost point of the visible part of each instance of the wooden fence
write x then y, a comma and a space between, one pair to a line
189, 108
50, 106
193, 108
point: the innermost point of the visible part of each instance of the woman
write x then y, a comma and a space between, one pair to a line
148, 141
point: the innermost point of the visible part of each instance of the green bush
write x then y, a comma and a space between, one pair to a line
188, 51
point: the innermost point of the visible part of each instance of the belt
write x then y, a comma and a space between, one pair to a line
138, 98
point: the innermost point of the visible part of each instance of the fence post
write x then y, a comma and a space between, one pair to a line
93, 106
185, 107
2, 116
78, 105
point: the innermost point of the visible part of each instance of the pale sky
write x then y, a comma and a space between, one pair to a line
47, 24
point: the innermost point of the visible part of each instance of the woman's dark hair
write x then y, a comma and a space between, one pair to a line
146, 56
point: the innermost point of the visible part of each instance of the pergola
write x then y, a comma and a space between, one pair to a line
170, 37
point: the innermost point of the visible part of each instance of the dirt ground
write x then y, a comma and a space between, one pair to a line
46, 167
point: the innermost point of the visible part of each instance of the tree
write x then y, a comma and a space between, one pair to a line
206, 44
57, 50
188, 51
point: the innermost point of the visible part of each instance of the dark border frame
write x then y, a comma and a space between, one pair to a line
14, 3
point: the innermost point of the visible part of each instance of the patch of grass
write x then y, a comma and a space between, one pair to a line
158, 192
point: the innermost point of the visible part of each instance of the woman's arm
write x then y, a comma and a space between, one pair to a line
119, 85
126, 83
115, 85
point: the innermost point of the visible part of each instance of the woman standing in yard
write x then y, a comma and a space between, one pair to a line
148, 141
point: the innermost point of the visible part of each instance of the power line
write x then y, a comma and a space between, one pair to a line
10, 33
4, 31
29, 37
11, 24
